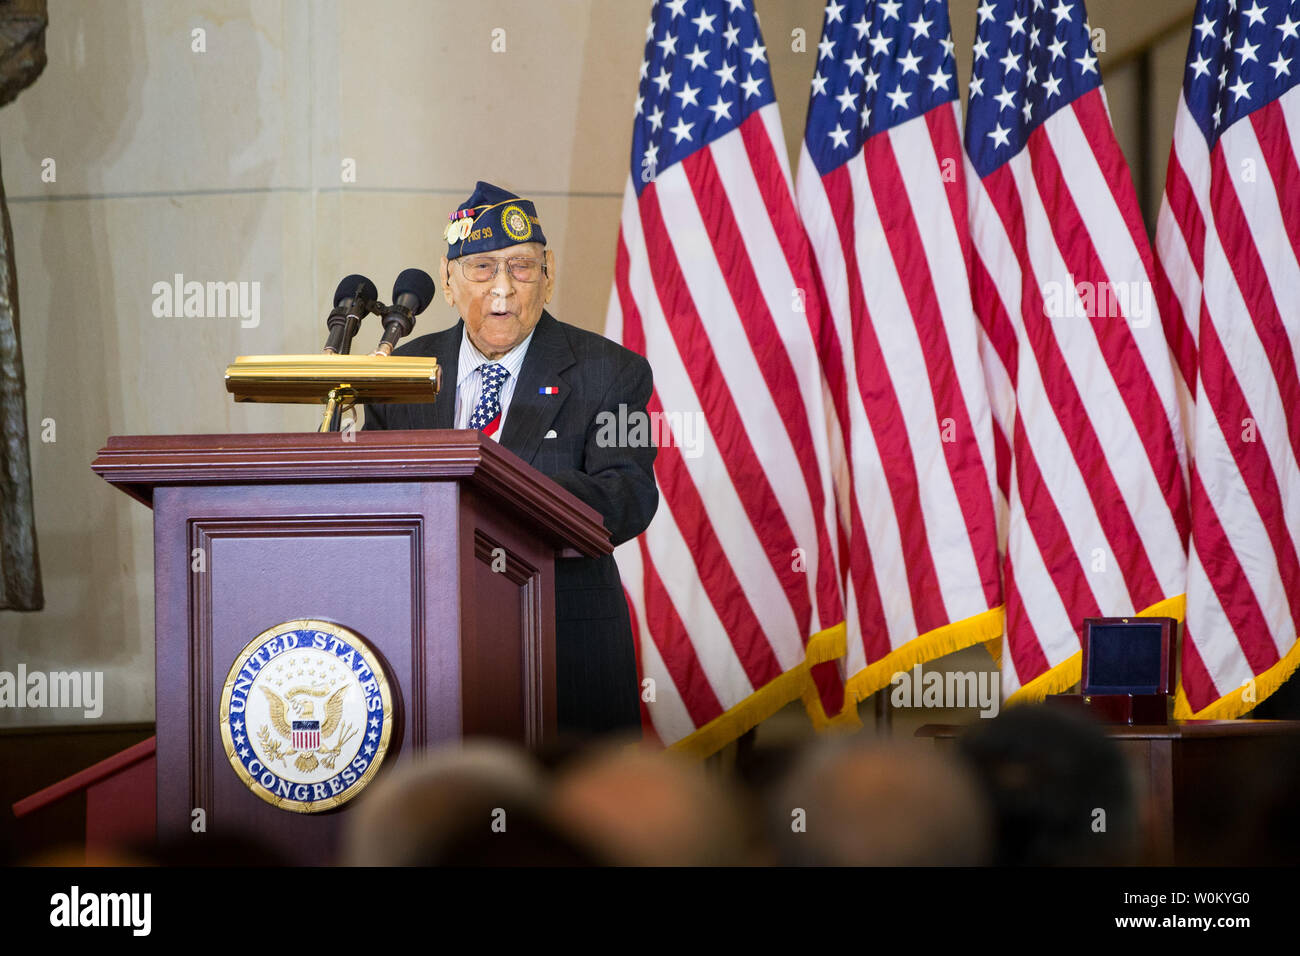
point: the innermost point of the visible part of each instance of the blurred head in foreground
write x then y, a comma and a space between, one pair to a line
479, 803
634, 808
1059, 789
862, 802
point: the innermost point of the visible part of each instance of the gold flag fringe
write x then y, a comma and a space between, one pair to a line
796, 683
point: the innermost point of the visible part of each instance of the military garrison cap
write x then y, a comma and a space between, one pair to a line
491, 218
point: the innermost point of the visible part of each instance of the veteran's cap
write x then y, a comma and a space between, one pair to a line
491, 218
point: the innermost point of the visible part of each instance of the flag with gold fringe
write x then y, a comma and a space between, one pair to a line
1089, 446
881, 189
1228, 241
734, 587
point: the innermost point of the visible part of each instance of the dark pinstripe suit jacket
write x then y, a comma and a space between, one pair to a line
595, 663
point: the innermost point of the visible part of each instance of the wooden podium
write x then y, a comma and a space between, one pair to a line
436, 548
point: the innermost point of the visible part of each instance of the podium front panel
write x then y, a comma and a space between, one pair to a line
450, 600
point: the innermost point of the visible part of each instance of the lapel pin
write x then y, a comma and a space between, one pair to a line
548, 390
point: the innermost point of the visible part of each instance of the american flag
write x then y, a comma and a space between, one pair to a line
733, 588
1090, 455
1227, 238
882, 193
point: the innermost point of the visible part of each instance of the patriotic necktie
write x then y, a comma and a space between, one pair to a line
487, 413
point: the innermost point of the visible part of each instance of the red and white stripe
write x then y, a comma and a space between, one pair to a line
912, 437
1091, 461
737, 571
1228, 247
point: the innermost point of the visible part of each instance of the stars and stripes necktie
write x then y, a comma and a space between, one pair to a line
487, 412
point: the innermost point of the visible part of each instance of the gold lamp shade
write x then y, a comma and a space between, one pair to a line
315, 379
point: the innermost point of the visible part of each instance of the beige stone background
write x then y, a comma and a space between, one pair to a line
225, 165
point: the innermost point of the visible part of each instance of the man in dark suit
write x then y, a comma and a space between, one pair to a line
548, 392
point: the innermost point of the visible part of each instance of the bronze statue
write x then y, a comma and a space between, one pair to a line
22, 57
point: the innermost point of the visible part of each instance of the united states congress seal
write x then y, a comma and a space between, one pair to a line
306, 715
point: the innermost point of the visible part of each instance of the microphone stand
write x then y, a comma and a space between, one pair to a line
342, 398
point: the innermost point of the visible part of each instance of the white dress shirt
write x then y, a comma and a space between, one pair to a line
469, 380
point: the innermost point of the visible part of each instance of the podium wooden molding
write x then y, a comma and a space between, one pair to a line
137, 463
436, 547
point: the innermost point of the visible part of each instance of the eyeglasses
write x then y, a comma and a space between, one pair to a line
484, 268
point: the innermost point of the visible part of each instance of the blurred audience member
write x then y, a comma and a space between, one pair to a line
475, 803
531, 840
1060, 791
861, 802
651, 809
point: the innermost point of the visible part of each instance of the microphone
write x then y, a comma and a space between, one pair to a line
412, 293
354, 299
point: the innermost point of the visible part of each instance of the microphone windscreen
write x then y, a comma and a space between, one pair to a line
349, 287
418, 283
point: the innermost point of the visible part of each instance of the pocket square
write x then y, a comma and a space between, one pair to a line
551, 434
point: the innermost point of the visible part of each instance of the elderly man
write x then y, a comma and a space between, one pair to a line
537, 385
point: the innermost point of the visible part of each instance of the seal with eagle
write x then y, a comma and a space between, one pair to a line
306, 736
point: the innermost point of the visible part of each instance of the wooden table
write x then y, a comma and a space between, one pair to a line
1178, 770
